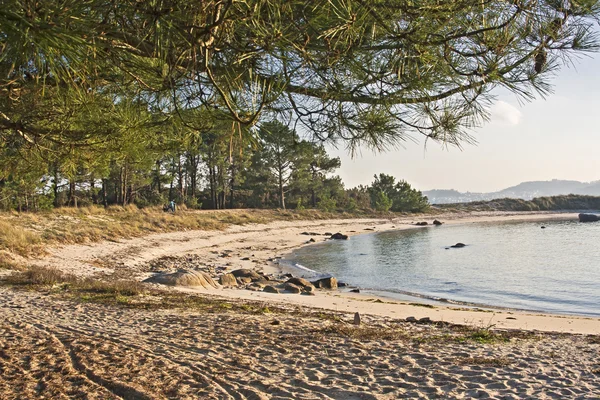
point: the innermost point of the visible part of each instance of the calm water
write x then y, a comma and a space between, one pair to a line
516, 265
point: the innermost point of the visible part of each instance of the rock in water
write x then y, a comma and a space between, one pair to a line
437, 223
185, 278
588, 218
356, 318
423, 223
228, 280
458, 245
339, 236
326, 283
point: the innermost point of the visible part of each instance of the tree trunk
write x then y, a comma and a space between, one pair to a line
180, 178
92, 190
232, 185
72, 194
281, 191
157, 178
104, 196
55, 186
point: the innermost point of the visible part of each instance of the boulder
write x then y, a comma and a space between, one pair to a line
290, 287
423, 223
458, 245
312, 240
228, 280
261, 283
185, 278
356, 318
326, 283
589, 218
246, 273
308, 290
243, 280
271, 289
339, 236
437, 223
411, 319
328, 234
300, 282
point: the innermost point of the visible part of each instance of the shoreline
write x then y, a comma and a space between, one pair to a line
255, 246
241, 344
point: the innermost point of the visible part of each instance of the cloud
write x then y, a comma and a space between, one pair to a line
502, 111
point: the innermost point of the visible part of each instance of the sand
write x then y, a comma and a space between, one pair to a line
53, 348
57, 349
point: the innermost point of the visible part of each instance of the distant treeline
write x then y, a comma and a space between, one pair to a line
212, 169
553, 203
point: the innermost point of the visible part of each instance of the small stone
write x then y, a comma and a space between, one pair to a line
411, 319
355, 290
276, 322
312, 240
458, 245
437, 223
356, 318
425, 320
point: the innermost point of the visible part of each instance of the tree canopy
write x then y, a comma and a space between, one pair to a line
359, 72
126, 98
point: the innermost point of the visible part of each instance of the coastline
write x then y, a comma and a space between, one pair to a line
256, 246
240, 344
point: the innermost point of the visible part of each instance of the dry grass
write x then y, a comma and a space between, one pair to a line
129, 293
27, 234
18, 239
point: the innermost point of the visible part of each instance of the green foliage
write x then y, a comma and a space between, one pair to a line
380, 201
386, 194
143, 102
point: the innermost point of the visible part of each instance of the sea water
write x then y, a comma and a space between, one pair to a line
516, 265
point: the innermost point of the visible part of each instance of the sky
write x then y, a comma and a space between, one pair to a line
555, 138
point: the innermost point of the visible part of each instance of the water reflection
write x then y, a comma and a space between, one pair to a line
506, 264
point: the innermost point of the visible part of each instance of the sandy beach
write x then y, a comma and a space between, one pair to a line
306, 347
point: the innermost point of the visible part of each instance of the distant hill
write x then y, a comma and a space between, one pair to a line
571, 202
525, 191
